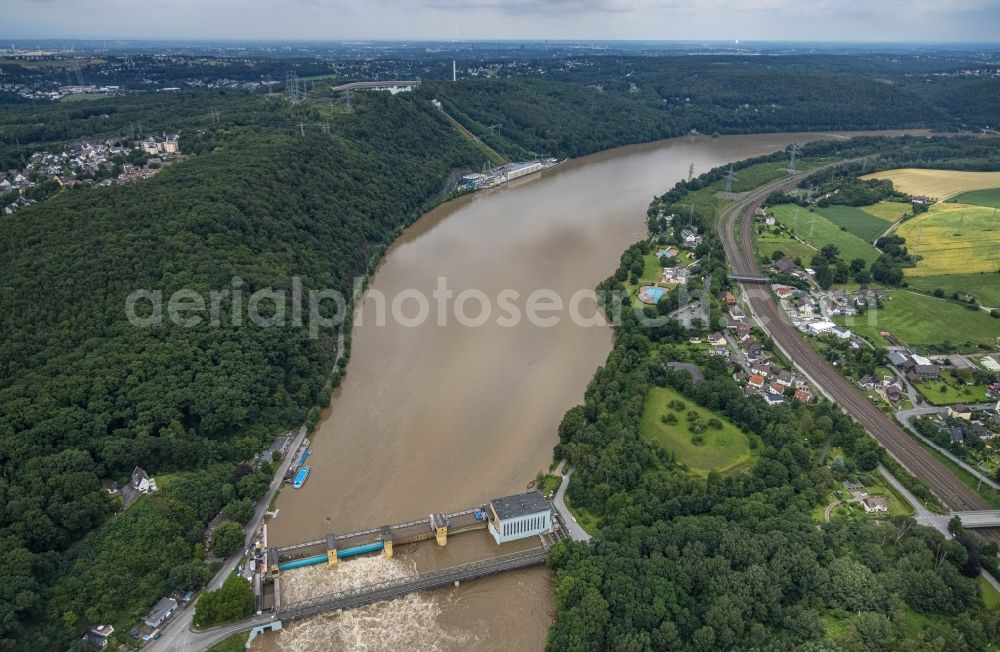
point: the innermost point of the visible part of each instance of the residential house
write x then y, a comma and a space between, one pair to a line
777, 388
728, 298
955, 433
142, 482
160, 612
717, 339
737, 313
784, 291
761, 370
773, 398
784, 378
785, 265
854, 485
804, 395
963, 412
866, 382
99, 635
743, 330
875, 504
757, 381
922, 372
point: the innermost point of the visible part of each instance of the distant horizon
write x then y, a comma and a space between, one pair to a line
760, 21
233, 39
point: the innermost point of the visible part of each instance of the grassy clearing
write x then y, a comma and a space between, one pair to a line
768, 243
819, 232
990, 198
947, 391
991, 597
920, 321
985, 286
938, 184
954, 239
724, 449
857, 221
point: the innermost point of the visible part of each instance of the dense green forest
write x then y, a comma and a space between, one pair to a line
86, 395
736, 561
589, 108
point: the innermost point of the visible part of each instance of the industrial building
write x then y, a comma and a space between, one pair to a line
519, 516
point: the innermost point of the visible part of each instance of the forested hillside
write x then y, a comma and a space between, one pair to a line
87, 395
601, 103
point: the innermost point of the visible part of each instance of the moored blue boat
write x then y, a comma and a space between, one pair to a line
300, 477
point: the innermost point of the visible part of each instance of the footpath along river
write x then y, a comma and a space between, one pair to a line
443, 416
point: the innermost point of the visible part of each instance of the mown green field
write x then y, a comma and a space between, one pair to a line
726, 449
920, 321
818, 231
866, 222
954, 239
989, 198
768, 243
985, 286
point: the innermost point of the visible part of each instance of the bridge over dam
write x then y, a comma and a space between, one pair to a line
519, 517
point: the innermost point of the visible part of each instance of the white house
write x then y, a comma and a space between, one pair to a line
142, 482
160, 612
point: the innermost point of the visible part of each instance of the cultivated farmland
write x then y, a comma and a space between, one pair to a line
866, 222
954, 239
819, 231
989, 198
921, 321
939, 184
985, 286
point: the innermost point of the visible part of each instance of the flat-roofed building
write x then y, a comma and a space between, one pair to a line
519, 516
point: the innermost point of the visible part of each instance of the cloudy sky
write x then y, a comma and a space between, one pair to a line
839, 20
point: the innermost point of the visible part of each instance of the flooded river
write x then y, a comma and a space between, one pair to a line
444, 417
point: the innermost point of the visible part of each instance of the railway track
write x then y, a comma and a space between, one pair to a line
738, 219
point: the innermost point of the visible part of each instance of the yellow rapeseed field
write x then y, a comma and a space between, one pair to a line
954, 239
937, 184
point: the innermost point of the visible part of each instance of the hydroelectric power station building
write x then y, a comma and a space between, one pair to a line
519, 516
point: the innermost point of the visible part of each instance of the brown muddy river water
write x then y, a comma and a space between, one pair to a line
444, 417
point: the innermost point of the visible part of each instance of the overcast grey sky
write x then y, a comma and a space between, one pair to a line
851, 20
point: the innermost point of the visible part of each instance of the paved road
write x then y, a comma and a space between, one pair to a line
177, 632
776, 323
689, 367
576, 532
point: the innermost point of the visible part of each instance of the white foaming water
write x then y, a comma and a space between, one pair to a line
407, 623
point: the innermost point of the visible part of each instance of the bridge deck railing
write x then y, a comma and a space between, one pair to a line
402, 585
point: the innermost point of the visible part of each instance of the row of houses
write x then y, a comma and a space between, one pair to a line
890, 388
85, 162
916, 368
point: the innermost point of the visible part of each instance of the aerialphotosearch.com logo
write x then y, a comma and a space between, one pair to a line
327, 308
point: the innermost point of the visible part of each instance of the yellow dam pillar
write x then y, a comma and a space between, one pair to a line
440, 526
387, 541
331, 550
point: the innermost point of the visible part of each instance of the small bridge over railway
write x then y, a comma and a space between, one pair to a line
750, 278
978, 519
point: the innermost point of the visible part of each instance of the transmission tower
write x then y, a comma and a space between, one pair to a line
292, 86
793, 152
497, 128
691, 172
795, 219
812, 227
730, 177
